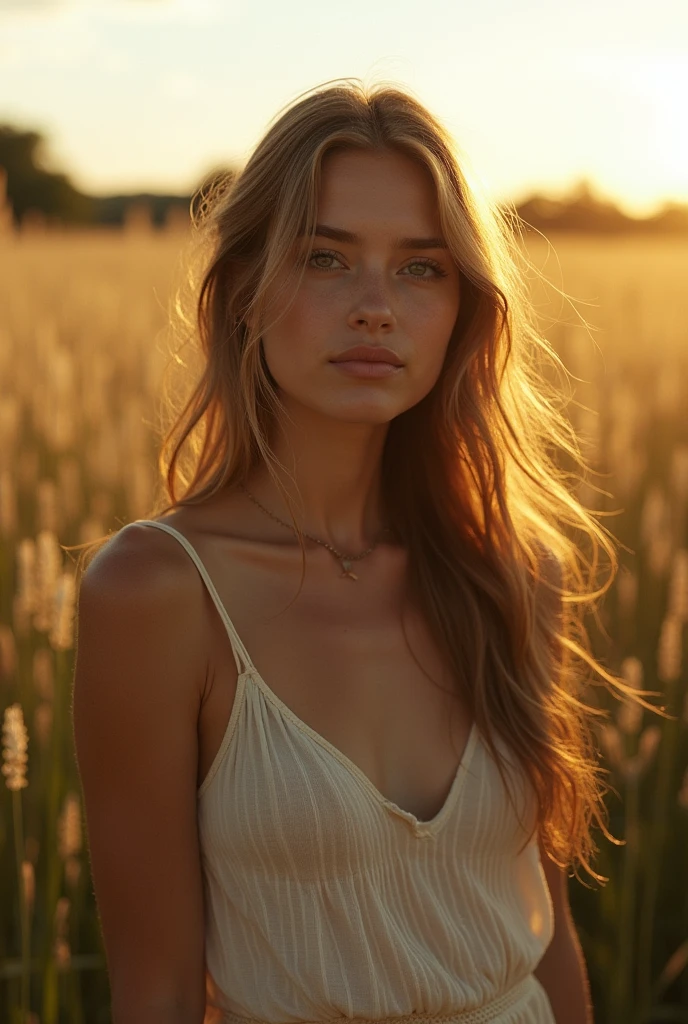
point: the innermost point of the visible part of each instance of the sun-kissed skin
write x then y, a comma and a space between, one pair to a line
337, 655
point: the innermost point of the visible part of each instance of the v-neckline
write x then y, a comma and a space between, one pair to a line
249, 672
420, 827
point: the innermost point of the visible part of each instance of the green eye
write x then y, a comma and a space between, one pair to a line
323, 254
421, 261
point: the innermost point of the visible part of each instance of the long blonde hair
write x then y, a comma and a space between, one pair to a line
470, 478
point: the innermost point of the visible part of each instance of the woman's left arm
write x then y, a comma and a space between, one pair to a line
562, 971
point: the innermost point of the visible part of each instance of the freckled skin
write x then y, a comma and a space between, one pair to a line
372, 293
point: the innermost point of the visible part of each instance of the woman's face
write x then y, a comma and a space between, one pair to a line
390, 282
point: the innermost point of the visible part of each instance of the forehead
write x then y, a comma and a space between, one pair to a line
377, 187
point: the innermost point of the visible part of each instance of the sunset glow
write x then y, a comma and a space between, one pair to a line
176, 88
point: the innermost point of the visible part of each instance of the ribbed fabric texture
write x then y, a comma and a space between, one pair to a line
326, 900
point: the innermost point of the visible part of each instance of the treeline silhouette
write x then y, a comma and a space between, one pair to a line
583, 211
32, 194
35, 195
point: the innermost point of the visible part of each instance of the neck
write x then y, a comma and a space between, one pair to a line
334, 483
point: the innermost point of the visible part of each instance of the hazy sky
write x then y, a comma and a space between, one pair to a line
150, 94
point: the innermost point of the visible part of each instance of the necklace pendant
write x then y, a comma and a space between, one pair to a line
346, 566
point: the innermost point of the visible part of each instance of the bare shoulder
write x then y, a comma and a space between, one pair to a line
136, 696
140, 554
141, 608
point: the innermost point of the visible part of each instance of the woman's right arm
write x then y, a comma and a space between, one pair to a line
139, 677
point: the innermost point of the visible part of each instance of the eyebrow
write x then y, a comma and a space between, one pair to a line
340, 235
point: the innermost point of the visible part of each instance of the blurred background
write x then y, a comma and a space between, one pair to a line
113, 113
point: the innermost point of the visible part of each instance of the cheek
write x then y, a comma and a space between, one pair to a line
304, 330
306, 318
317, 309
431, 330
292, 346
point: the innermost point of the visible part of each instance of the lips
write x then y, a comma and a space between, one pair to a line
369, 354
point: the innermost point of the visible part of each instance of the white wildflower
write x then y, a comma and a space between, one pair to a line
15, 742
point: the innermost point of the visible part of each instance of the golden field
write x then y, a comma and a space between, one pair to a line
82, 348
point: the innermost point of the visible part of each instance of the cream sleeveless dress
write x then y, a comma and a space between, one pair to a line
325, 901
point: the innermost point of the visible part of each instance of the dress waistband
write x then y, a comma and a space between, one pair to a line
480, 1015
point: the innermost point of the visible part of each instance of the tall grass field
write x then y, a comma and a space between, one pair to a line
83, 344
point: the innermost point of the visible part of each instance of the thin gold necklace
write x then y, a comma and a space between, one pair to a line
345, 560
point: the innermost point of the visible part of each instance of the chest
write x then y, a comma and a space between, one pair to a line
354, 661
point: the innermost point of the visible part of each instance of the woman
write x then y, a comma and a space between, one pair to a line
354, 824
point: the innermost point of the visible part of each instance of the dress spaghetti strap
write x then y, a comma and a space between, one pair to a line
238, 650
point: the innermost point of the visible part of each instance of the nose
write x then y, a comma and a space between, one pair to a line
372, 311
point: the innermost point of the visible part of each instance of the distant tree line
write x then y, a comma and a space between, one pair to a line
29, 187
33, 191
583, 211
